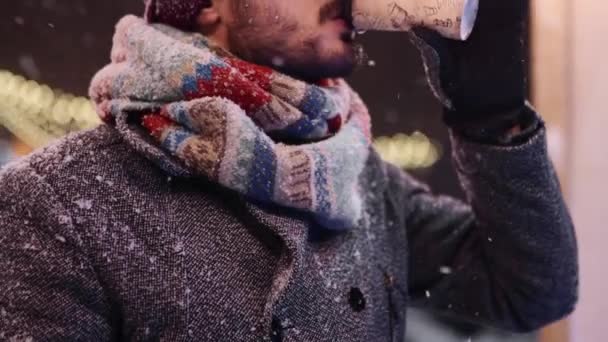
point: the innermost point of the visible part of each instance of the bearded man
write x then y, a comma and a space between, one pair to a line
233, 193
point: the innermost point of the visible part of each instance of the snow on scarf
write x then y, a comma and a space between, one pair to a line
218, 115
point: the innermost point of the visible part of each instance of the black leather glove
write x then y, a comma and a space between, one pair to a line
481, 82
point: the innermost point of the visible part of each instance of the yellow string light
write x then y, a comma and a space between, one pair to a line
415, 151
37, 114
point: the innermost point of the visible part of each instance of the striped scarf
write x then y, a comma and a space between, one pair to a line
224, 119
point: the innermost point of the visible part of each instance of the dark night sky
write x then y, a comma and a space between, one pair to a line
67, 39
64, 42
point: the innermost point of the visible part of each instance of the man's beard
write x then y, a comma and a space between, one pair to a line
302, 63
307, 60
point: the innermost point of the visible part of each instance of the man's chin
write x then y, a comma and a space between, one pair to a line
342, 67
334, 68
312, 69
340, 64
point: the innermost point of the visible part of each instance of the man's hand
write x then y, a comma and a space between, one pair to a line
483, 79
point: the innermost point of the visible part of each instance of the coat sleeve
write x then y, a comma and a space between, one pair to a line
48, 288
508, 257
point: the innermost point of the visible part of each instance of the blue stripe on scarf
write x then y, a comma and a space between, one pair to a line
202, 72
263, 172
174, 138
179, 113
312, 105
205, 71
244, 157
189, 84
321, 184
302, 129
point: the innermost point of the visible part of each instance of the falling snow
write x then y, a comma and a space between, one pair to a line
179, 247
445, 270
84, 204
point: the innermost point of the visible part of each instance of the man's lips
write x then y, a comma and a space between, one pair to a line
340, 22
340, 17
334, 15
343, 22
336, 11
343, 28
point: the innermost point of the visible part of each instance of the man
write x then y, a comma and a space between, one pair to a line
233, 194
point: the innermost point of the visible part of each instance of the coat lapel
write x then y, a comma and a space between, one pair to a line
292, 230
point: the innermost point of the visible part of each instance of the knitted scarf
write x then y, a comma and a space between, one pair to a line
224, 119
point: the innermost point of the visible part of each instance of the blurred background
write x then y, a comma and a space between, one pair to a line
49, 50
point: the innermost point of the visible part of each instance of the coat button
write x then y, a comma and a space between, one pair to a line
356, 299
276, 335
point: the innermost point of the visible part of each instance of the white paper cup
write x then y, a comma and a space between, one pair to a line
453, 19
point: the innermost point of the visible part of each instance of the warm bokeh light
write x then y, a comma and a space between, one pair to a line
37, 114
414, 151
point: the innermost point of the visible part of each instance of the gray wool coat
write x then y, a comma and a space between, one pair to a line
103, 237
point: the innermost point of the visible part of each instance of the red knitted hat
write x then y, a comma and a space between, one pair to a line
177, 13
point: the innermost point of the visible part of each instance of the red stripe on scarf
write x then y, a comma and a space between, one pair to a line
156, 124
246, 90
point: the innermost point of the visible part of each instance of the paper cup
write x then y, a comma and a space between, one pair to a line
453, 19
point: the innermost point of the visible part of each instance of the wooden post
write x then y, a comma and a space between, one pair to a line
551, 79
551, 94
